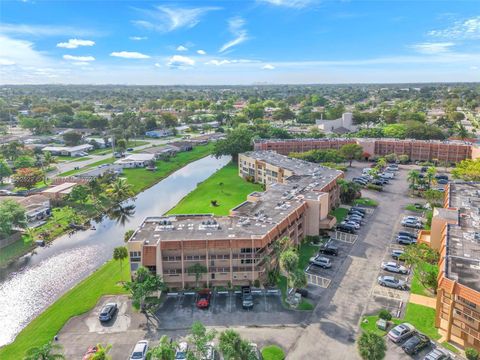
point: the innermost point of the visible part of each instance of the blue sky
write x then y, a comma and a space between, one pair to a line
239, 42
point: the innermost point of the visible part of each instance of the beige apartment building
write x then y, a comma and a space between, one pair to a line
455, 233
416, 150
234, 248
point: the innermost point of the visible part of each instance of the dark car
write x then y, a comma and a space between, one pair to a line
442, 181
356, 212
358, 208
203, 299
130, 149
328, 249
346, 228
408, 234
303, 292
416, 343
107, 312
406, 240
247, 298
441, 177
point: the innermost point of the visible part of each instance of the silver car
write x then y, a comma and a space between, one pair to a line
401, 332
321, 261
394, 267
140, 350
392, 282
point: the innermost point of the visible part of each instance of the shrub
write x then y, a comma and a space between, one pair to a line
385, 315
256, 283
471, 354
371, 346
374, 187
273, 352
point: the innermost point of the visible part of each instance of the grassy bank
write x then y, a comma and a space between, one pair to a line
78, 300
225, 187
340, 214
366, 202
141, 179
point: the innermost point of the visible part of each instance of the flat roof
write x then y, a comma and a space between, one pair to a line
250, 219
463, 239
99, 171
59, 188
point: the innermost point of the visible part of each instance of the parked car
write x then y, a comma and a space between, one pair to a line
321, 261
346, 228
360, 209
360, 181
397, 254
406, 240
351, 223
130, 149
412, 224
303, 292
203, 299
401, 332
412, 218
355, 218
328, 249
91, 351
394, 267
140, 350
211, 353
441, 176
407, 233
356, 212
247, 298
437, 354
416, 343
108, 312
388, 175
442, 182
182, 350
5, 192
392, 282
378, 182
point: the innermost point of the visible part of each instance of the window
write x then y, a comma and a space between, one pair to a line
213, 276
246, 261
135, 256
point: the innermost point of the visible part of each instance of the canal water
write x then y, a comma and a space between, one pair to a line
36, 280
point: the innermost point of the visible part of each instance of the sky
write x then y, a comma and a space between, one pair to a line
238, 42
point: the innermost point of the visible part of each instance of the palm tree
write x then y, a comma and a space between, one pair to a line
102, 352
44, 352
120, 190
413, 177
233, 347
431, 172
165, 350
197, 269
461, 131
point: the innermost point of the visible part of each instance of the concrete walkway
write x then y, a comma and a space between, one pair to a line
423, 300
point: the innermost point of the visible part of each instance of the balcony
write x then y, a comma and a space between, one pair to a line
424, 237
328, 223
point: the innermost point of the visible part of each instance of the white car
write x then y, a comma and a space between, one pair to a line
394, 267
182, 350
413, 218
140, 351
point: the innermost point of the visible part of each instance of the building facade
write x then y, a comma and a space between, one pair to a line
416, 150
236, 249
455, 234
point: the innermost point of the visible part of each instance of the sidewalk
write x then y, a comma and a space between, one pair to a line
423, 300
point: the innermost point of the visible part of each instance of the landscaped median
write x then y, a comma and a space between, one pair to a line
80, 299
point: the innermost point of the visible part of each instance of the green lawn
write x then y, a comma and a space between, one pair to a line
225, 186
340, 214
366, 202
80, 299
412, 207
416, 287
371, 326
16, 249
306, 251
273, 352
141, 179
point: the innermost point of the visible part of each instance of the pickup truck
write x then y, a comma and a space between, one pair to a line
247, 298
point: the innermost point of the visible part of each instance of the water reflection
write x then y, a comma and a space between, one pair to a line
37, 279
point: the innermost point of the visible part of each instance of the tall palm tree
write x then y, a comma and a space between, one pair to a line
120, 190
165, 350
461, 131
430, 175
48, 351
413, 177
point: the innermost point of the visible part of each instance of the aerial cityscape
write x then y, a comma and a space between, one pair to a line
239, 180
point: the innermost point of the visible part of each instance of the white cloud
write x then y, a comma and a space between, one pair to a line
79, 58
138, 38
21, 52
230, 61
179, 61
75, 43
6, 62
288, 3
181, 48
44, 30
433, 48
236, 27
129, 55
268, 67
201, 52
466, 29
81, 63
473, 67
166, 19
158, 65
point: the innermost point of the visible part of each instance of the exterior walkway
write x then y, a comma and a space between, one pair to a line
423, 300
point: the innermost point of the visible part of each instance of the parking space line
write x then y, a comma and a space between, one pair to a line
319, 281
345, 237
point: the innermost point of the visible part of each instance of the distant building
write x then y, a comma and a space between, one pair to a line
68, 150
159, 133
101, 170
162, 152
136, 160
59, 191
37, 207
341, 125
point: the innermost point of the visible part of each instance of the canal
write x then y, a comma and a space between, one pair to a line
36, 280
